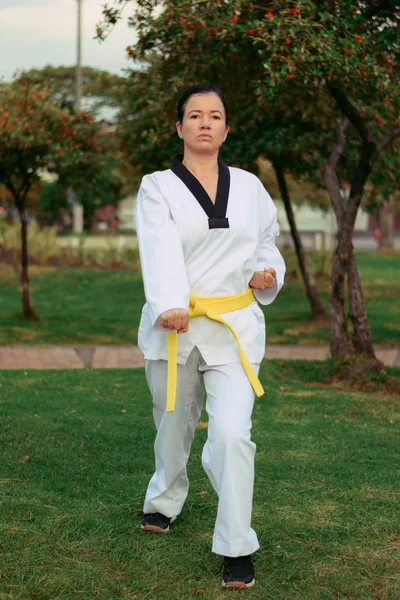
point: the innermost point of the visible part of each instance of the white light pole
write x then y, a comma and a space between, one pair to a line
77, 209
78, 88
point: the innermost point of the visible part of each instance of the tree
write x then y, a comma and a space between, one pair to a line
97, 182
102, 90
36, 134
347, 49
103, 174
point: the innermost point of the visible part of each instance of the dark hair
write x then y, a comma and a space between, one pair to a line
202, 88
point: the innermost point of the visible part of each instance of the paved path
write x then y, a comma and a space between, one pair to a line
100, 357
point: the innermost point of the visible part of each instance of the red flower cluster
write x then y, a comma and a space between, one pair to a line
235, 19
294, 11
270, 14
252, 31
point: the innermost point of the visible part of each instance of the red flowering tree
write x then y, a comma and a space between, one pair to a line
297, 50
36, 135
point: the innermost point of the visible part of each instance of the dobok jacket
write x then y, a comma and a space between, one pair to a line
188, 245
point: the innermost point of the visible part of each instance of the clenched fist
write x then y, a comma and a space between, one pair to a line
263, 280
176, 318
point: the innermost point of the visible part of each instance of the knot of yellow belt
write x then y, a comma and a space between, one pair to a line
212, 308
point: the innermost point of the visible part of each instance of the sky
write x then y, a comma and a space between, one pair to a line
34, 33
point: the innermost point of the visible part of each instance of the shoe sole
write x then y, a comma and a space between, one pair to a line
155, 528
237, 585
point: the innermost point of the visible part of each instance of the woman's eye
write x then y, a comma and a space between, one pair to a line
214, 117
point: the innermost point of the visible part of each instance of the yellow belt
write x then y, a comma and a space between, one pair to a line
211, 308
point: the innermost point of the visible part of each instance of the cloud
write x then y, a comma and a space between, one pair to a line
37, 23
33, 35
18, 3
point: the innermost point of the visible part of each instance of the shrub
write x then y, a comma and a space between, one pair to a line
45, 250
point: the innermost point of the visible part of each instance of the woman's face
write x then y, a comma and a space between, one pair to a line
203, 127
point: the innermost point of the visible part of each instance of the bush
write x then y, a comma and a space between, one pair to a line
44, 250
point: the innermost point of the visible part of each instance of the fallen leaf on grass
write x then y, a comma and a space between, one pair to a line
25, 458
200, 591
202, 425
204, 494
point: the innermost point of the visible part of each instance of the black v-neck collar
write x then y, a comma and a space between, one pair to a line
216, 212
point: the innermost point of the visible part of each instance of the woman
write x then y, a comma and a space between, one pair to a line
206, 237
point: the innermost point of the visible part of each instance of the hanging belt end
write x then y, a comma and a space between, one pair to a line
259, 390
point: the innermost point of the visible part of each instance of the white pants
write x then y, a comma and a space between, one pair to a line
228, 455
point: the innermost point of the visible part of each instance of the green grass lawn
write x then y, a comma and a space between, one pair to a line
77, 455
103, 307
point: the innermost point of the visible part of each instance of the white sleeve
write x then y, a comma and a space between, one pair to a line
161, 254
268, 254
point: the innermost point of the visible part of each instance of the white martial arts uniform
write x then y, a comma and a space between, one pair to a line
188, 245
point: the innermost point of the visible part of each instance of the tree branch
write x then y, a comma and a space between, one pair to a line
388, 139
10, 186
26, 179
348, 110
25, 187
331, 179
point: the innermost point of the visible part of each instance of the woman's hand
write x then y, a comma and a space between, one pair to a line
176, 318
263, 280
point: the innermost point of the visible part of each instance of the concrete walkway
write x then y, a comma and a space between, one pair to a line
103, 357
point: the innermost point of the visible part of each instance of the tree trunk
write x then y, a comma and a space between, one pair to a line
386, 216
346, 216
361, 334
317, 308
345, 263
339, 343
27, 304
92, 222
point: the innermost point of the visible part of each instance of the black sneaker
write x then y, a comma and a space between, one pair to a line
156, 522
238, 572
